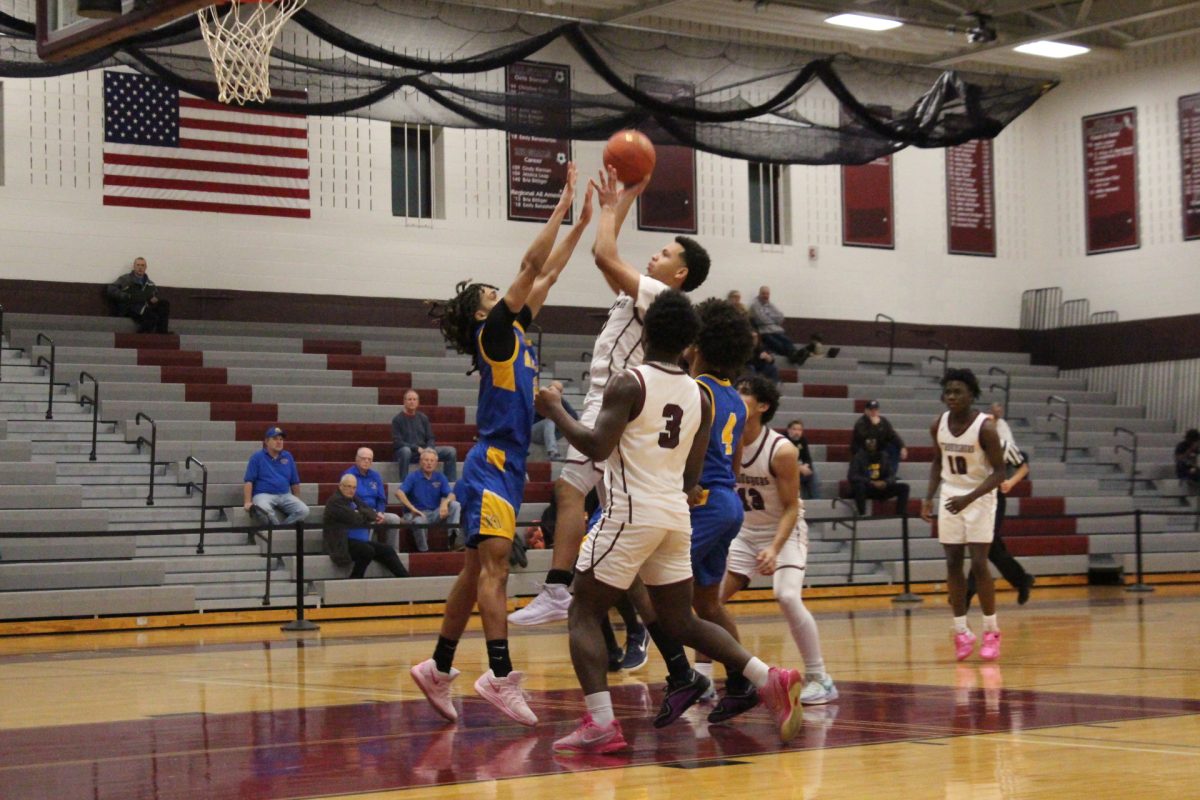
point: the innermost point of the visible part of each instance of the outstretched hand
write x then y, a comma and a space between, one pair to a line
567, 198
611, 193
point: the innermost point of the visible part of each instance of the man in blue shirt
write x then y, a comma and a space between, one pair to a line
372, 493
427, 496
272, 481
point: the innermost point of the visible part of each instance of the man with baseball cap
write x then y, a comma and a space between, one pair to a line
873, 425
272, 482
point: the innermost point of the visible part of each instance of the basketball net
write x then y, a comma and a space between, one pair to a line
239, 35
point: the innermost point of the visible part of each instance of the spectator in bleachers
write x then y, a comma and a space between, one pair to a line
768, 321
347, 535
735, 297
873, 425
810, 486
872, 477
427, 496
136, 296
762, 362
412, 434
272, 482
1187, 458
372, 493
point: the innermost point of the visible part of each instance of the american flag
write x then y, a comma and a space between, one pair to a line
166, 149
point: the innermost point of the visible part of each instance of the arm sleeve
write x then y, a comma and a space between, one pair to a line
444, 485
648, 290
407, 486
499, 341
251, 471
426, 431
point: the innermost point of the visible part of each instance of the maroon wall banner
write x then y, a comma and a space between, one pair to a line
537, 166
669, 202
1110, 181
867, 218
971, 199
1189, 152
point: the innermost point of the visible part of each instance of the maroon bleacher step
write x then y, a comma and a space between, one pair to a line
170, 358
146, 341
356, 362
240, 412
1046, 545
826, 390
194, 375
379, 378
217, 393
333, 347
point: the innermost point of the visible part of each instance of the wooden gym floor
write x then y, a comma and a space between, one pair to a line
1097, 694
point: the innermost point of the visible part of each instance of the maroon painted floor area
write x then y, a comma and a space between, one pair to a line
376, 746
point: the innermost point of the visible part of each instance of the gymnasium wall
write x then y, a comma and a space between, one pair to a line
54, 228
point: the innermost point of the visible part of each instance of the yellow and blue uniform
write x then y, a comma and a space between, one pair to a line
718, 518
493, 479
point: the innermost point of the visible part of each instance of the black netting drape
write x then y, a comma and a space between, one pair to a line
428, 62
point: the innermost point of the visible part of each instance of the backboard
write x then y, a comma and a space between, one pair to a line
62, 34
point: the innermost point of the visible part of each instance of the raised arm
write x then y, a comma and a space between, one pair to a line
539, 249
614, 205
562, 251
620, 397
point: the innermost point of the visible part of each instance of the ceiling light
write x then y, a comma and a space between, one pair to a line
863, 22
1051, 49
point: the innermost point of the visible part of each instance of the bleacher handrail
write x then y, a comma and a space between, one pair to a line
854, 516
41, 337
153, 442
94, 400
1066, 436
891, 333
191, 459
945, 353
1007, 383
1133, 453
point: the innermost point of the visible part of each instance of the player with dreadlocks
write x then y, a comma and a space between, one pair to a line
490, 327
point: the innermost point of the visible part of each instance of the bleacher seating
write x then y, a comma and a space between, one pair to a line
213, 387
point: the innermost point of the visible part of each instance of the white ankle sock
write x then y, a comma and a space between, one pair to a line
705, 668
757, 672
990, 623
599, 705
960, 624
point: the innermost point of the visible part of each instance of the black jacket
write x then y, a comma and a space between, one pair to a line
883, 433
341, 514
867, 466
130, 296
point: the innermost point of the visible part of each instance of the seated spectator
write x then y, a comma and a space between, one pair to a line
873, 425
412, 434
816, 346
346, 535
810, 486
735, 297
136, 296
1187, 458
545, 430
762, 362
272, 482
871, 476
372, 493
427, 496
768, 321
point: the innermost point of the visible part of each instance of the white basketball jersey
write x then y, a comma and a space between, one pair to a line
757, 488
619, 345
644, 474
964, 464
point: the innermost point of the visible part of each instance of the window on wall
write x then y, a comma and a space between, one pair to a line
767, 223
415, 172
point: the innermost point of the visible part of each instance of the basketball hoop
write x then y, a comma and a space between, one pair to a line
240, 35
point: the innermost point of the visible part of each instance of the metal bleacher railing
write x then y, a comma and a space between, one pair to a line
94, 402
1133, 454
1007, 384
299, 623
203, 487
153, 442
891, 334
42, 361
1066, 418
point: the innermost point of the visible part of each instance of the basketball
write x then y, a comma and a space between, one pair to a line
631, 154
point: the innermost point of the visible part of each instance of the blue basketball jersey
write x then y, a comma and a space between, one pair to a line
729, 418
504, 412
